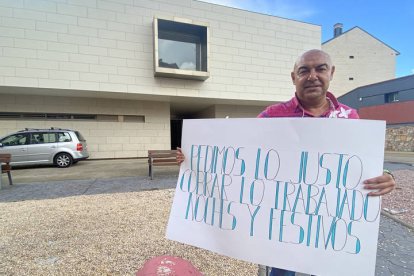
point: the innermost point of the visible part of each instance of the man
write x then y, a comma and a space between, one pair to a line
311, 76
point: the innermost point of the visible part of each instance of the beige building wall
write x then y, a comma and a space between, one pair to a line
108, 46
373, 61
237, 111
105, 139
230, 111
97, 57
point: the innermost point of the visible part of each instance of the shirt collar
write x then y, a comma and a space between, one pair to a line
329, 95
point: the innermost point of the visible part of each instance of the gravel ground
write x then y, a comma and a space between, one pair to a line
110, 234
400, 203
114, 234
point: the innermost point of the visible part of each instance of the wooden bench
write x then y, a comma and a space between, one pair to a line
160, 158
5, 159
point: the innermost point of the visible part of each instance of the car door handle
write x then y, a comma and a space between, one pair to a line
53, 147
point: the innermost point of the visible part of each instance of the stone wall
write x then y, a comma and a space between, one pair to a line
400, 138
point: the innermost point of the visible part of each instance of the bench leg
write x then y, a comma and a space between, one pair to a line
10, 178
150, 173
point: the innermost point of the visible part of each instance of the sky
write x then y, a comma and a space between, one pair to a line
392, 22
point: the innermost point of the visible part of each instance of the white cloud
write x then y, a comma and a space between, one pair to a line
412, 71
298, 10
188, 66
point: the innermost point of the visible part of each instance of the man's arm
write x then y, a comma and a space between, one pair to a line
383, 184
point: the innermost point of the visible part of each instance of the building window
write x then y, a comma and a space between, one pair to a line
180, 49
351, 78
72, 117
134, 118
107, 118
351, 57
391, 97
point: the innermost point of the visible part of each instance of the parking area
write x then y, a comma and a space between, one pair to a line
138, 167
88, 169
114, 168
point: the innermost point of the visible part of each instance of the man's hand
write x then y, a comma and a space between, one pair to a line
180, 156
383, 184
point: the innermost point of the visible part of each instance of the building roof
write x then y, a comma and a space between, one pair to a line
356, 27
405, 83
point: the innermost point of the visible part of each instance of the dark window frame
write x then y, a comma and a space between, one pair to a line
391, 97
69, 117
181, 31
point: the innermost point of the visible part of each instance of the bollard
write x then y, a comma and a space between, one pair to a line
1, 172
263, 270
168, 266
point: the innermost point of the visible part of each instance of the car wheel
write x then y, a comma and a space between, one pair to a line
63, 160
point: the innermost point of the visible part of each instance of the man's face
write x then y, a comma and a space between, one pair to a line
312, 73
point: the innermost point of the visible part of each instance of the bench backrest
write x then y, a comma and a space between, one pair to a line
5, 158
162, 153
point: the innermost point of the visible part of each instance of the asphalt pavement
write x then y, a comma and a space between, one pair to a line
395, 252
398, 157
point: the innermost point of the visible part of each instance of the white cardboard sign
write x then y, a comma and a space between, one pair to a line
281, 192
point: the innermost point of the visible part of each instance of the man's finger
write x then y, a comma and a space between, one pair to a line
378, 179
378, 186
380, 192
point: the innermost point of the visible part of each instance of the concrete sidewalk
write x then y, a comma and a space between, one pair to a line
102, 169
88, 169
395, 252
399, 157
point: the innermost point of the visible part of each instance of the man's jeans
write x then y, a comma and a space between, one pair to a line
281, 272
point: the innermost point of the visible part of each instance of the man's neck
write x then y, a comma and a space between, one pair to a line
317, 108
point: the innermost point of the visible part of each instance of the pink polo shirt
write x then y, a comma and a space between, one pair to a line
293, 108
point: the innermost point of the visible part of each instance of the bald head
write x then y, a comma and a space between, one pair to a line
312, 52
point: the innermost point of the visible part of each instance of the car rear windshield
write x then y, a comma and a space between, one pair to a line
80, 137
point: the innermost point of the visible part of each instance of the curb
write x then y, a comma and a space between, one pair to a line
400, 162
397, 220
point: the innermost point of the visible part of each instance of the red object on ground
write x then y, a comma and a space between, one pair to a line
168, 266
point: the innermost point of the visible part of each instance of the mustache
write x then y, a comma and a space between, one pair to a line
312, 84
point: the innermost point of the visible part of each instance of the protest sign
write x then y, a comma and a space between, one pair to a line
282, 192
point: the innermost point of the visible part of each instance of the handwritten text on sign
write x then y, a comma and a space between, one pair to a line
305, 198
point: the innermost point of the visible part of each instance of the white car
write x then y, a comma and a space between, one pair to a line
61, 147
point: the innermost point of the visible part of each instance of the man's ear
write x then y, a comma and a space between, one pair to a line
332, 71
292, 75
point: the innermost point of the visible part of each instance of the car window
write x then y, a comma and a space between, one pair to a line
80, 137
15, 140
36, 138
49, 137
42, 138
64, 137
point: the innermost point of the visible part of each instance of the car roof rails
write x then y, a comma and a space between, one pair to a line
40, 129
27, 129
